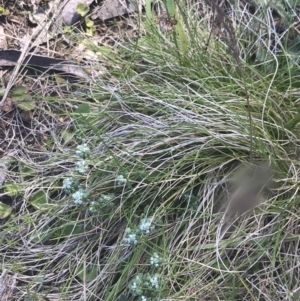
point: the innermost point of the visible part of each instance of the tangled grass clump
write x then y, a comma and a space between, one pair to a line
173, 126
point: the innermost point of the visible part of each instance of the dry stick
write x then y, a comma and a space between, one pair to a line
232, 45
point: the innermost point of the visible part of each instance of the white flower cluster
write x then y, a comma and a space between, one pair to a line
145, 225
82, 167
146, 286
83, 151
121, 180
193, 201
130, 238
70, 185
104, 201
136, 285
155, 260
154, 281
93, 207
106, 198
79, 196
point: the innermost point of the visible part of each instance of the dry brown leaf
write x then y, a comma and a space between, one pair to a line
26, 116
7, 105
7, 285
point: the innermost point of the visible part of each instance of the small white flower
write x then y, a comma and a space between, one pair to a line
82, 167
130, 238
154, 281
155, 260
83, 151
136, 286
70, 184
143, 298
121, 180
79, 196
127, 230
92, 209
106, 198
145, 225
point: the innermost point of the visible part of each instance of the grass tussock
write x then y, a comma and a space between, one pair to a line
125, 204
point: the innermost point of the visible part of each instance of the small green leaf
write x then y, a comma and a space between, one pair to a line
68, 29
3, 11
293, 123
89, 274
26, 105
90, 31
89, 22
38, 279
67, 136
84, 108
39, 200
22, 99
26, 170
82, 9
123, 298
295, 45
18, 91
42, 235
12, 189
146, 209
296, 294
5, 210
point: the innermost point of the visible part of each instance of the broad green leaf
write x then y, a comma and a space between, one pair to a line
82, 9
5, 210
84, 108
170, 6
39, 200
41, 235
88, 274
72, 230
